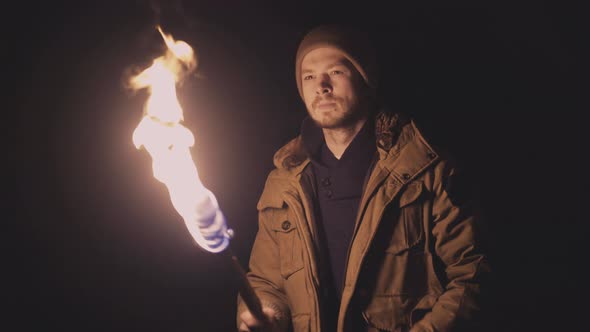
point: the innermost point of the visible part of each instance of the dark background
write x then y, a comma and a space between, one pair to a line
91, 240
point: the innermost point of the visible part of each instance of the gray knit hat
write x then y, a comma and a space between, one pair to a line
356, 48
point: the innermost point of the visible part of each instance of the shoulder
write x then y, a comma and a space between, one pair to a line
290, 155
278, 182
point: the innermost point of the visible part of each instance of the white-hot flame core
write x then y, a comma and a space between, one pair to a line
168, 142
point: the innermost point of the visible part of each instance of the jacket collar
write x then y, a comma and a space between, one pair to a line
389, 127
403, 152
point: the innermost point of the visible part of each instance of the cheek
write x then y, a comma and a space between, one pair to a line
348, 95
308, 96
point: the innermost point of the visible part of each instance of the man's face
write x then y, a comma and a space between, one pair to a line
332, 88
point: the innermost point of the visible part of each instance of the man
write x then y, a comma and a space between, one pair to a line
360, 227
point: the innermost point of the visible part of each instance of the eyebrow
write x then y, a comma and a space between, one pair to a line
339, 63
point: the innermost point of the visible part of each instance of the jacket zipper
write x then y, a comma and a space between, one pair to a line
358, 217
380, 216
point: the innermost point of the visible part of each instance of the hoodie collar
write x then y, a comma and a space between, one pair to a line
295, 155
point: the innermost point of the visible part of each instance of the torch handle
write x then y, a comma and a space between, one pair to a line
245, 289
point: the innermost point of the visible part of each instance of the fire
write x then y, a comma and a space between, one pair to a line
168, 142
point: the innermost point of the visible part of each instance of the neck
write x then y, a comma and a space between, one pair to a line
338, 139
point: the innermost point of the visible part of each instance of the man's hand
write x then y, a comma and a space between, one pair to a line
251, 324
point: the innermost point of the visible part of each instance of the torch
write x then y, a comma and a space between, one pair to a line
168, 143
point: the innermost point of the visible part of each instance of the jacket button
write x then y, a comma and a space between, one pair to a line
406, 176
326, 182
286, 225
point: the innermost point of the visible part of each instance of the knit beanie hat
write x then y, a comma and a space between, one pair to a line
352, 43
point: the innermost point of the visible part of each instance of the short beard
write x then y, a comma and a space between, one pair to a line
348, 119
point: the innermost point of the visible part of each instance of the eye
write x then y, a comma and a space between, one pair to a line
307, 77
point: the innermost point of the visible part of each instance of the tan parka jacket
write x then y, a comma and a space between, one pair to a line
414, 261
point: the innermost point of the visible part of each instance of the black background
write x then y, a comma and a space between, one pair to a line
91, 240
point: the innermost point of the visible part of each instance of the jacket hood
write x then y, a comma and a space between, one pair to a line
388, 129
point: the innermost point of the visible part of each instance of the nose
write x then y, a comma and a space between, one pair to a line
324, 86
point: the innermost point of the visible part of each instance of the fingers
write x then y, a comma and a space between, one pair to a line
269, 312
249, 320
251, 323
243, 328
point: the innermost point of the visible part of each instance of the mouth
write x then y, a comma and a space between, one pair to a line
326, 105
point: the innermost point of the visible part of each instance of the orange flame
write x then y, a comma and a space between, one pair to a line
168, 142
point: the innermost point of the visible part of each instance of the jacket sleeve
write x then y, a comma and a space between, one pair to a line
458, 245
264, 274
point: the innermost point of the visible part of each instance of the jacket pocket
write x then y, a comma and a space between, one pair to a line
409, 230
388, 313
290, 248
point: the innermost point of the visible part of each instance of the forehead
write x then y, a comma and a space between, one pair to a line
323, 57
